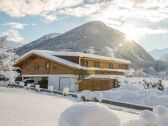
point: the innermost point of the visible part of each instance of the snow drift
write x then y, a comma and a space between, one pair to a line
88, 114
93, 114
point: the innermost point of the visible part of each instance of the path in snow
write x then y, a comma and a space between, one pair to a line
19, 107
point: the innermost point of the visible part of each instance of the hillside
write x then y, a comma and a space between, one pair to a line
105, 41
36, 43
157, 53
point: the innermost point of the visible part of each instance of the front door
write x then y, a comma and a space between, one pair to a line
64, 82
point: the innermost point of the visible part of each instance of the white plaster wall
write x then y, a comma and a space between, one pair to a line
54, 80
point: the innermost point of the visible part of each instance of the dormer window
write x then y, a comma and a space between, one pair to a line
96, 64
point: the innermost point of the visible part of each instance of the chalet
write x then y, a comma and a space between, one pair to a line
76, 70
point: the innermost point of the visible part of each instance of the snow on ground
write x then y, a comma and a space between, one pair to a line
21, 107
135, 95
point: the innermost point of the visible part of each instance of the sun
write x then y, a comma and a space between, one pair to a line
132, 32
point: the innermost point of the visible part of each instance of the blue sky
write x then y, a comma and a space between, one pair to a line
142, 20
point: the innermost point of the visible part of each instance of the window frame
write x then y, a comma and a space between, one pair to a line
111, 65
96, 64
84, 62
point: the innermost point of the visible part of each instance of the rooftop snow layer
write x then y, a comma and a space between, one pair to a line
82, 55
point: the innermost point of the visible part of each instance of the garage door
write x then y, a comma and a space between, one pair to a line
64, 82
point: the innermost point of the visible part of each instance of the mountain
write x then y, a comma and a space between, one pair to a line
36, 43
157, 53
103, 39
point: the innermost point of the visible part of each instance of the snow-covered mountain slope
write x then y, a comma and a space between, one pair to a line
36, 43
157, 53
103, 39
162, 63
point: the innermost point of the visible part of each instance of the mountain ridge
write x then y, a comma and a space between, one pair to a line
105, 40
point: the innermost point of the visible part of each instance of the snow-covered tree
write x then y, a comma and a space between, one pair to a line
91, 50
139, 73
7, 59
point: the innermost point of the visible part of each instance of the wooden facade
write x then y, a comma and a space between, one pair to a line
39, 65
96, 84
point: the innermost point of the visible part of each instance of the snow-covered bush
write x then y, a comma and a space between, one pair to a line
37, 87
28, 86
51, 88
7, 58
161, 115
22, 84
66, 91
141, 82
1, 83
6, 83
146, 118
88, 114
90, 95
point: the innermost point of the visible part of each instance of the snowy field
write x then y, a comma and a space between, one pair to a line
21, 107
133, 92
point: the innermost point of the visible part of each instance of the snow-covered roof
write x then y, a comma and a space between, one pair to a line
48, 56
80, 54
51, 56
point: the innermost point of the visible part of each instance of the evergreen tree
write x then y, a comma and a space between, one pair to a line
7, 59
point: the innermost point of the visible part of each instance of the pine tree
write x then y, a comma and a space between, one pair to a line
7, 59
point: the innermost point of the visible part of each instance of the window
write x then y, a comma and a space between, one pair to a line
36, 66
54, 66
47, 65
84, 62
110, 65
96, 64
120, 66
